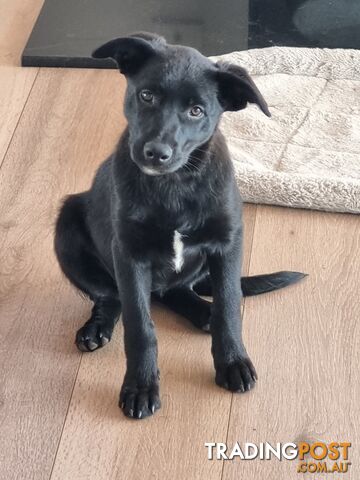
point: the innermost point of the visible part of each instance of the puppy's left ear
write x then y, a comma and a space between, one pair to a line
130, 53
236, 88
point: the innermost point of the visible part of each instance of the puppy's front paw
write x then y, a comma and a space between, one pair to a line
238, 376
139, 401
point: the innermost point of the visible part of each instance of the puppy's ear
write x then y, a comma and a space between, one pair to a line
156, 39
130, 53
237, 89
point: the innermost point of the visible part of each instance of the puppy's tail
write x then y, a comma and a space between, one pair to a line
267, 283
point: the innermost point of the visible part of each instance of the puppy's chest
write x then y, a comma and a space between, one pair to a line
178, 247
169, 250
187, 245
173, 246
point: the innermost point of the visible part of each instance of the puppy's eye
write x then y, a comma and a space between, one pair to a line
147, 96
196, 111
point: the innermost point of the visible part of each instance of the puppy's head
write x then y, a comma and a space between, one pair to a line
174, 99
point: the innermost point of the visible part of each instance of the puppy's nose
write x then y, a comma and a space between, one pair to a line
157, 152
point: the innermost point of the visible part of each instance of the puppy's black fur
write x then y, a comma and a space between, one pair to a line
163, 217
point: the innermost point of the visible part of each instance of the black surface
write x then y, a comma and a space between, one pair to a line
67, 31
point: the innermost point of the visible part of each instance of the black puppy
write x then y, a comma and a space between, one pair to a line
163, 217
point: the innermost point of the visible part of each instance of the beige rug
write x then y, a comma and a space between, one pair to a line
308, 154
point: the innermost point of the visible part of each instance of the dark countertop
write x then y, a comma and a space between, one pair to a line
66, 32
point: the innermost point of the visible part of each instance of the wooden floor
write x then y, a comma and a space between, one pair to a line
58, 408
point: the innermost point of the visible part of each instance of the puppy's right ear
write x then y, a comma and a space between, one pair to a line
130, 53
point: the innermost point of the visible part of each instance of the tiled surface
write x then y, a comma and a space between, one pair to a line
67, 31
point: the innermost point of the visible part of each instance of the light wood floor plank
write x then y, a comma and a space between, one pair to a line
15, 87
17, 19
98, 442
304, 340
69, 124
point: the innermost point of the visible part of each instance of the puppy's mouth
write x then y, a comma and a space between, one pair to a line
182, 166
151, 171
158, 170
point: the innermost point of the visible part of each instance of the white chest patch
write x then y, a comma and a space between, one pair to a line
178, 246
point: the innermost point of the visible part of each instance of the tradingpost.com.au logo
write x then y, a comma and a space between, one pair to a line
316, 457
